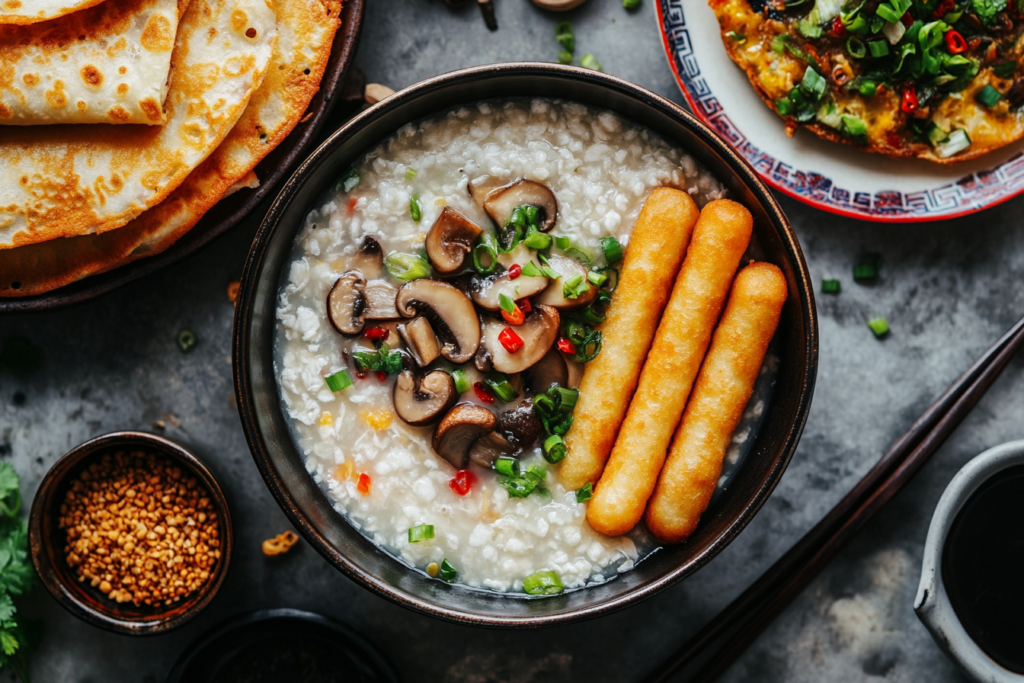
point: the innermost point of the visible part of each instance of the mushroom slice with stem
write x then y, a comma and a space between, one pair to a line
481, 186
520, 426
458, 327
450, 240
500, 203
426, 403
369, 258
463, 425
554, 295
380, 300
538, 332
551, 369
489, 448
346, 303
487, 291
422, 342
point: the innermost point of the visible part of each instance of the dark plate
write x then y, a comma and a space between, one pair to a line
281, 646
229, 211
267, 428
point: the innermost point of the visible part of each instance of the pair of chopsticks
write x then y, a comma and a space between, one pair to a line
739, 624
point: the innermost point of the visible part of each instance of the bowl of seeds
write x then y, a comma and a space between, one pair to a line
131, 532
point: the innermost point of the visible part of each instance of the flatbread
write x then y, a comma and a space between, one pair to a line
307, 29
67, 180
107, 64
33, 11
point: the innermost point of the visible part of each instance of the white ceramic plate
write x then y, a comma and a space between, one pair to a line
826, 175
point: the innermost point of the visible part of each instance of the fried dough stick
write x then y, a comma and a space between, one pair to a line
653, 256
719, 240
719, 398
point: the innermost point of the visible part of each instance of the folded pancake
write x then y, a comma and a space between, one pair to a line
67, 180
306, 29
106, 64
33, 11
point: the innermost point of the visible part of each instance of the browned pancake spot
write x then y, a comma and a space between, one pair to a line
122, 70
151, 108
57, 97
91, 75
5, 113
31, 79
122, 89
82, 106
239, 20
118, 113
158, 34
12, 4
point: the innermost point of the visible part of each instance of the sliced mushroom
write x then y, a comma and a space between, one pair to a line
346, 303
458, 327
487, 291
449, 240
463, 425
422, 342
501, 202
549, 370
369, 259
426, 403
489, 448
482, 186
521, 427
394, 335
538, 333
380, 300
554, 294
482, 359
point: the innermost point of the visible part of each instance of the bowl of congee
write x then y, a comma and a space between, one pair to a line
523, 344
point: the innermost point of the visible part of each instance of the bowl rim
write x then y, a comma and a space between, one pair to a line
43, 504
242, 342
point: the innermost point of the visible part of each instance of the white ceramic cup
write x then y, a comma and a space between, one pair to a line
932, 605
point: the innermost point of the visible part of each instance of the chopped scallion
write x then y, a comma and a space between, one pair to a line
349, 181
631, 4
867, 267
574, 287
554, 449
855, 46
422, 532
506, 303
406, 266
338, 381
588, 61
564, 57
988, 96
462, 384
612, 249
518, 487
563, 242
531, 270
187, 340
586, 493
880, 326
831, 286
410, 173
563, 34
543, 583
485, 255
878, 48
580, 255
536, 474
414, 208
507, 466
447, 572
499, 384
596, 279
537, 241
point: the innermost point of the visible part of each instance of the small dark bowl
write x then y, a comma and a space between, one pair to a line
46, 541
267, 426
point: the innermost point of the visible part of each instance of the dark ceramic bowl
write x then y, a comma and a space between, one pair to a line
266, 424
46, 540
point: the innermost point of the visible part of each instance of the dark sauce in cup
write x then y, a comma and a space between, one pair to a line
983, 567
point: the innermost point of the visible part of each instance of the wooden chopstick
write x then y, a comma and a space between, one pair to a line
744, 618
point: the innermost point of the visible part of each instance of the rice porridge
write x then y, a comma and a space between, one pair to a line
377, 341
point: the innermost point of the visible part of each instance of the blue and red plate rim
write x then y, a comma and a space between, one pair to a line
968, 195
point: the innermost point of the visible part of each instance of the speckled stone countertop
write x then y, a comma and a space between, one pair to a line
948, 290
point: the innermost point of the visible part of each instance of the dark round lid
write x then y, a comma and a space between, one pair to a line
281, 646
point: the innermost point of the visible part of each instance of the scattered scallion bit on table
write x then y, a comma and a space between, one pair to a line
421, 532
831, 286
16, 577
187, 340
350, 180
338, 381
880, 326
414, 208
543, 583
564, 57
586, 493
565, 37
447, 572
867, 267
407, 266
589, 61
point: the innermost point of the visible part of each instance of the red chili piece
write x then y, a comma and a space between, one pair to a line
377, 332
352, 201
955, 42
907, 20
483, 393
524, 305
909, 105
510, 340
894, 139
838, 28
516, 317
462, 482
382, 376
566, 346
944, 8
364, 484
360, 374
515, 271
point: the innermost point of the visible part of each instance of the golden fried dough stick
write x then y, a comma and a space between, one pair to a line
719, 240
719, 398
653, 256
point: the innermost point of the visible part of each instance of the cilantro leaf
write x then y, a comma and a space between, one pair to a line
10, 493
988, 9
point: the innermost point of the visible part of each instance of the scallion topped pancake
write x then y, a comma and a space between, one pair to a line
939, 80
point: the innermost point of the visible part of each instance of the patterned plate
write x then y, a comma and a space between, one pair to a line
826, 175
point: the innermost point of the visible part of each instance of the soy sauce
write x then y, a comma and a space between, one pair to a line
983, 567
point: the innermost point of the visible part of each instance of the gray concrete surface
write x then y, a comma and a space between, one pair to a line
948, 290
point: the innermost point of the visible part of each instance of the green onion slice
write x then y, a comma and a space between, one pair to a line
507, 466
574, 287
506, 303
406, 266
831, 286
589, 61
187, 340
563, 34
631, 4
563, 242
586, 493
554, 449
580, 255
422, 532
531, 270
410, 173
500, 385
447, 572
612, 249
564, 57
880, 326
867, 267
536, 474
485, 255
518, 487
596, 279
338, 381
855, 46
414, 208
462, 384
349, 181
988, 96
543, 583
537, 241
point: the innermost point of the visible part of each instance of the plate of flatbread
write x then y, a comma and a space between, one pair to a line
133, 132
